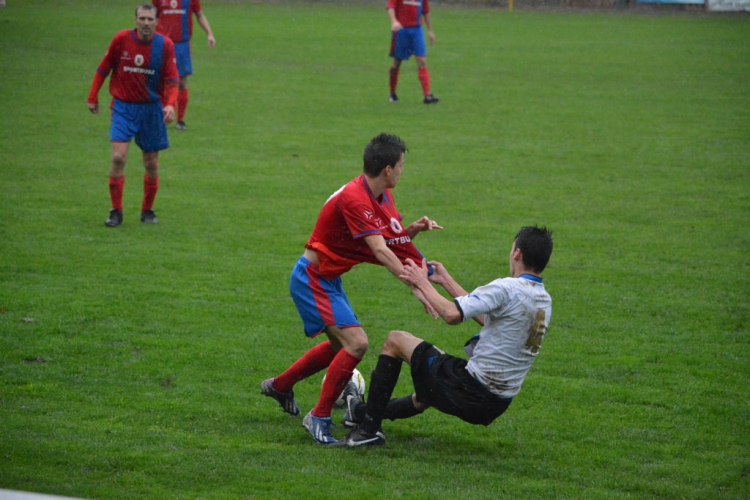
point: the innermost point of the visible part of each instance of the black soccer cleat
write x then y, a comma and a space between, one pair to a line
430, 99
350, 419
359, 437
148, 217
114, 219
393, 98
180, 125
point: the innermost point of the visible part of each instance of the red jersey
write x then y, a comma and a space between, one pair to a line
176, 18
409, 12
140, 70
350, 214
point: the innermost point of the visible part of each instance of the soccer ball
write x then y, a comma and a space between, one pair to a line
359, 381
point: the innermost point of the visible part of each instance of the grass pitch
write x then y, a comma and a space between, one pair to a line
130, 359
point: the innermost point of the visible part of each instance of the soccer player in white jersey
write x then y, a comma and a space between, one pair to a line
514, 312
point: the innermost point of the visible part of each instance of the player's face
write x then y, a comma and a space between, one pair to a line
395, 172
145, 24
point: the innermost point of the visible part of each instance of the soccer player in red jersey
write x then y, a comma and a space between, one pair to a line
359, 223
144, 89
407, 39
176, 22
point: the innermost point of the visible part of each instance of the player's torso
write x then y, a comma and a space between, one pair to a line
409, 12
175, 19
137, 67
518, 328
352, 213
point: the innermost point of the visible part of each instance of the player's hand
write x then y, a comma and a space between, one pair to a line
426, 224
431, 36
396, 26
168, 114
211, 41
412, 274
439, 273
93, 107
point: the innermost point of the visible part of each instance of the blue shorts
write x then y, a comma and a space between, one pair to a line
407, 42
184, 62
319, 302
144, 122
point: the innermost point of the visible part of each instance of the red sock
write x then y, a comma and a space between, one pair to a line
182, 102
424, 79
337, 376
150, 187
313, 361
394, 79
116, 186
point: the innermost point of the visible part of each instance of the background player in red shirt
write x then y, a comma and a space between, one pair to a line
407, 39
358, 223
144, 75
176, 22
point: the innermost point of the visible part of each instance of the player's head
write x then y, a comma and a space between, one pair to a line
382, 151
147, 6
146, 17
535, 244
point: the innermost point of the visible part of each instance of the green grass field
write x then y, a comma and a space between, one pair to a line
130, 359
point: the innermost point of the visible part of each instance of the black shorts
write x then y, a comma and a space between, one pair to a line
442, 381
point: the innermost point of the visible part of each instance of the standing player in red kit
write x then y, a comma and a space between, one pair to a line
359, 223
144, 90
407, 39
176, 22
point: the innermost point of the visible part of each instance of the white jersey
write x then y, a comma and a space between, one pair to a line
516, 312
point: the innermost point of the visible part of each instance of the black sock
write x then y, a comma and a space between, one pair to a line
401, 408
382, 383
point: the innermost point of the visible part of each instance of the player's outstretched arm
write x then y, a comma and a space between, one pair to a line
416, 276
386, 257
441, 277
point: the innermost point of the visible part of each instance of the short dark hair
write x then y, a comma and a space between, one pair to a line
535, 244
147, 6
382, 151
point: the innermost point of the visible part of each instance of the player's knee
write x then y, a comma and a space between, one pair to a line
357, 345
118, 162
393, 341
419, 407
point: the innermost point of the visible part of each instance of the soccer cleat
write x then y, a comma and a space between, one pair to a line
430, 99
350, 420
359, 437
393, 98
320, 428
148, 217
180, 125
114, 219
285, 400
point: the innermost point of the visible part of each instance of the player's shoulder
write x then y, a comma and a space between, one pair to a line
167, 41
123, 34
